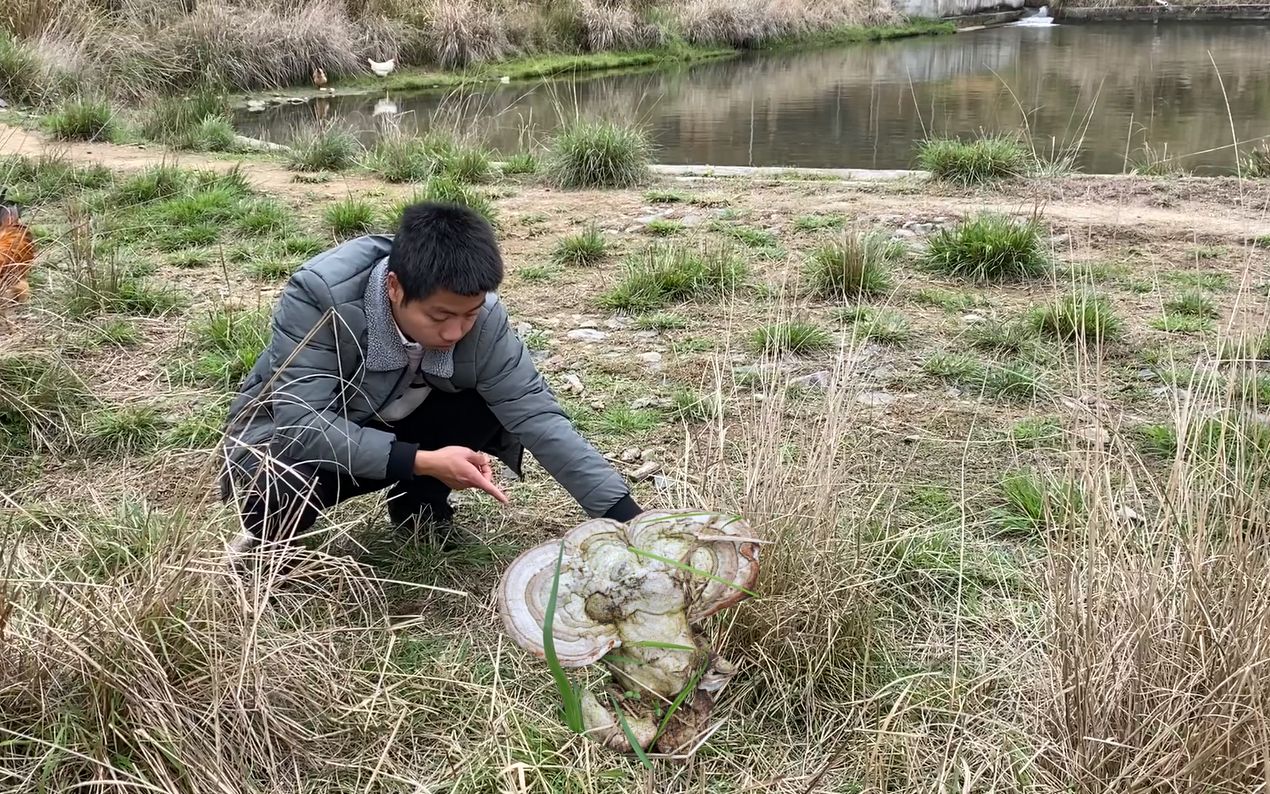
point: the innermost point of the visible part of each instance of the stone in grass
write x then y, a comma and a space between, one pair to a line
587, 335
652, 359
816, 380
630, 455
875, 399
645, 471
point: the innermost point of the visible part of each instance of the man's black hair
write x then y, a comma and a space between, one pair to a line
445, 246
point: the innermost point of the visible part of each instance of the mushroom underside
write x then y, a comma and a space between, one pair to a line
638, 587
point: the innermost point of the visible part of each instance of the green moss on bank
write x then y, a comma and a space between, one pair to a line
536, 67
855, 34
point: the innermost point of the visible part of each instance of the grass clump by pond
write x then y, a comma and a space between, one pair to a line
403, 158
856, 266
988, 248
323, 147
521, 163
586, 248
598, 154
976, 162
1257, 164
199, 122
661, 275
82, 119
1081, 315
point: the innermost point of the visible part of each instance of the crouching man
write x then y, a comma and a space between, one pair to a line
392, 365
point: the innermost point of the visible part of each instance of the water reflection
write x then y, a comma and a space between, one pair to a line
864, 105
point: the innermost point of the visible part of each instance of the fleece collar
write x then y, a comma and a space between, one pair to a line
387, 348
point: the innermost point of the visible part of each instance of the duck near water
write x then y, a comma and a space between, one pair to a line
382, 68
319, 79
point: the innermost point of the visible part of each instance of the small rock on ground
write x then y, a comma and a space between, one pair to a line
587, 335
645, 471
874, 398
816, 380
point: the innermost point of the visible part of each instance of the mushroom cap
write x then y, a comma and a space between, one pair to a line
604, 580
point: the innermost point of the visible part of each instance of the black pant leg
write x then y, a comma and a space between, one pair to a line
279, 499
444, 419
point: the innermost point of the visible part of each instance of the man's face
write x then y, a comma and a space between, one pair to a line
438, 321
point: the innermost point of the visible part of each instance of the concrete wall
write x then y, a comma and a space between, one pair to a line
938, 9
1173, 12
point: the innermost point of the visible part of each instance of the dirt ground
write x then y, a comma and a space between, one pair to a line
1118, 233
919, 440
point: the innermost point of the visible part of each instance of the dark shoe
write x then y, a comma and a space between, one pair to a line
408, 517
431, 522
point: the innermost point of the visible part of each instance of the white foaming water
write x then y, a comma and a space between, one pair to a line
1041, 19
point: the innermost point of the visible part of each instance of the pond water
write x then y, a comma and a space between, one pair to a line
1110, 87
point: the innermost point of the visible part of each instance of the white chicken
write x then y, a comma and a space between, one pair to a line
382, 68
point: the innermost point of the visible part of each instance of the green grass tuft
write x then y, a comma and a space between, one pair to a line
446, 189
1040, 431
42, 402
790, 337
859, 265
323, 147
1015, 380
82, 119
1182, 324
814, 223
1081, 315
350, 217
263, 216
1159, 440
1033, 502
116, 332
152, 183
996, 336
229, 342
586, 248
662, 196
667, 274
988, 248
105, 287
125, 430
199, 122
878, 325
598, 154
1192, 303
948, 300
959, 368
521, 163
688, 406
663, 227
975, 162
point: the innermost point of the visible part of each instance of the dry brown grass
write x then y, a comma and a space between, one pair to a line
145, 46
907, 638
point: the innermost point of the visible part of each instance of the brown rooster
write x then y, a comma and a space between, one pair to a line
17, 255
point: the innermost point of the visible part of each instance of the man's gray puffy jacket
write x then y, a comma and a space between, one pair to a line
312, 392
